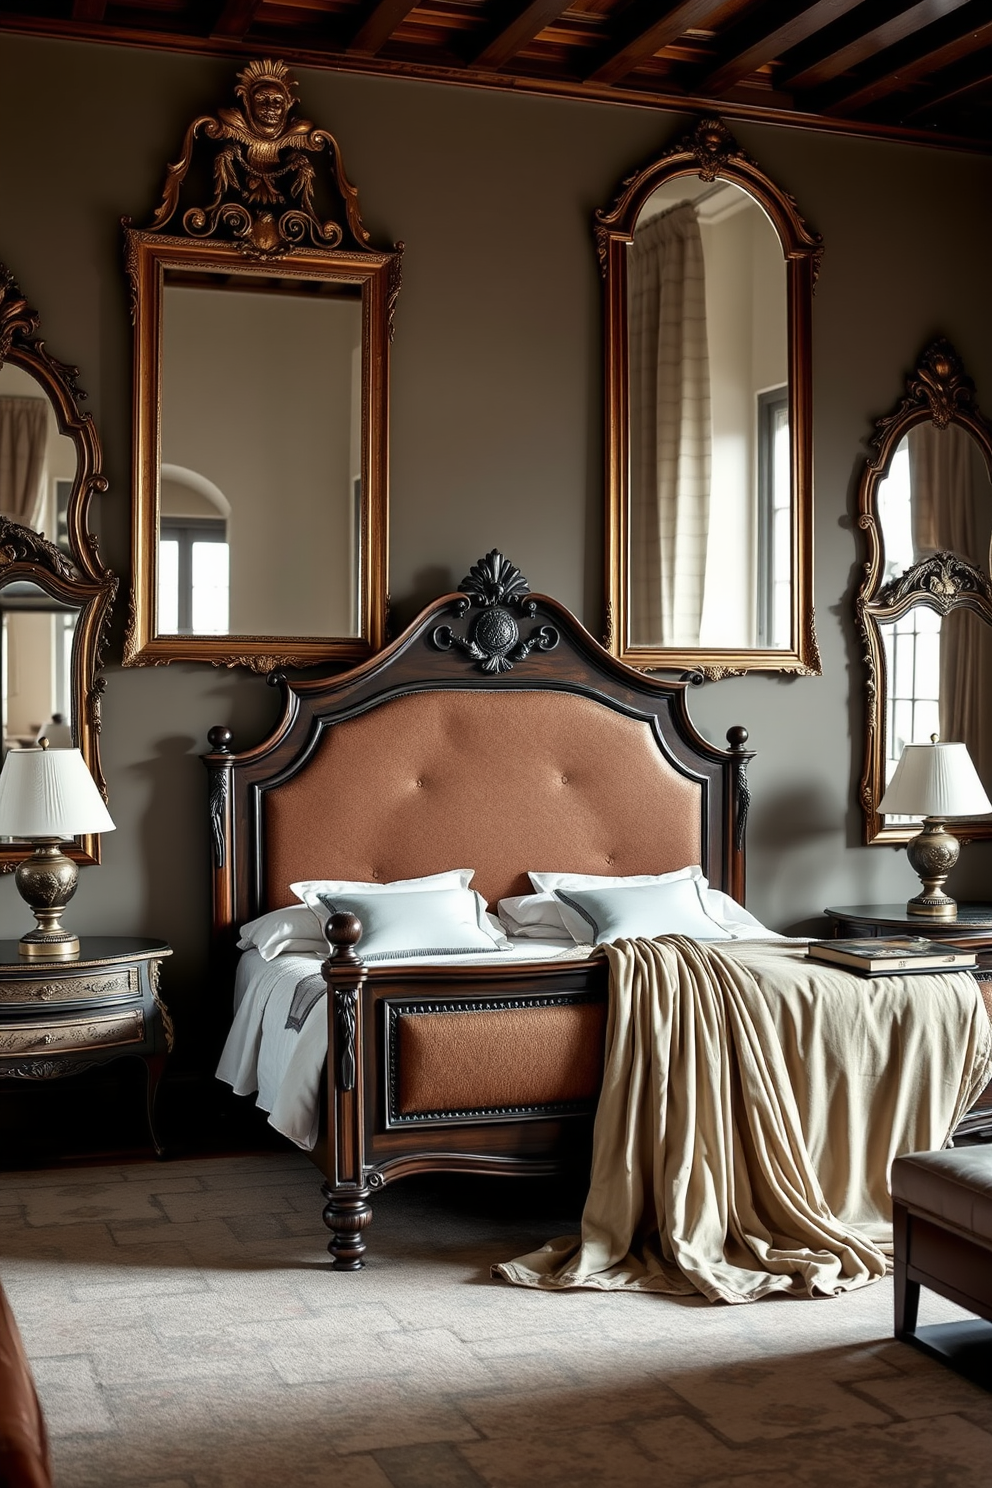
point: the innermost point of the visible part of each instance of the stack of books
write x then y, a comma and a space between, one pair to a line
894, 955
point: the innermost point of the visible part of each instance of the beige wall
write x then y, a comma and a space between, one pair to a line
496, 409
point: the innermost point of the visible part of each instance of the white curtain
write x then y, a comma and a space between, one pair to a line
23, 437
946, 518
670, 430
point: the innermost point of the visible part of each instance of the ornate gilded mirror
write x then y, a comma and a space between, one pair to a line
55, 594
709, 272
924, 608
262, 326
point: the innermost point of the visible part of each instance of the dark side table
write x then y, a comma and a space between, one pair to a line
60, 1017
971, 930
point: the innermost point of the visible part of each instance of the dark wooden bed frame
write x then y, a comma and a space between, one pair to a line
495, 734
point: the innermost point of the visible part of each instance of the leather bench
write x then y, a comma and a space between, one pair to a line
942, 1236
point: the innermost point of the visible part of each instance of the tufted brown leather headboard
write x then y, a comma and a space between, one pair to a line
515, 744
496, 781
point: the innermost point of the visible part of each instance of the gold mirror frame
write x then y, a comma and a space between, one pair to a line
940, 392
75, 577
275, 225
710, 152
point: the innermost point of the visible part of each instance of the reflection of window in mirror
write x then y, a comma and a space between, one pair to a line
278, 364
194, 576
710, 507
62, 490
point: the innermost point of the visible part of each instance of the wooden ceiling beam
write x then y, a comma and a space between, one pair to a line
869, 43
951, 91
88, 10
377, 25
528, 22
743, 60
235, 19
896, 80
640, 47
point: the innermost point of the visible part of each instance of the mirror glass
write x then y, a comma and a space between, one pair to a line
936, 497
37, 633
37, 463
710, 481
260, 502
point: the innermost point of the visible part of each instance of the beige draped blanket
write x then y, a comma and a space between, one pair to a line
752, 1104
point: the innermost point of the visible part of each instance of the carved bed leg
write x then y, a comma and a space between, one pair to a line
347, 1214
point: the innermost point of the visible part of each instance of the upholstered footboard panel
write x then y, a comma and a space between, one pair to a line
480, 1060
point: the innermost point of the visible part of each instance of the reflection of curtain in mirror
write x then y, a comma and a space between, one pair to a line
670, 434
23, 438
945, 519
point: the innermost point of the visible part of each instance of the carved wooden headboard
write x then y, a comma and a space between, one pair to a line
494, 734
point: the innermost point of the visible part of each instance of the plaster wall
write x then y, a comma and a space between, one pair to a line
496, 411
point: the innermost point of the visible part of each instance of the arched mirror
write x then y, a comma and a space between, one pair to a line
262, 327
925, 605
709, 273
55, 594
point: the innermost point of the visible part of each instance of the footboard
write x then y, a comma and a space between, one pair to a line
493, 1070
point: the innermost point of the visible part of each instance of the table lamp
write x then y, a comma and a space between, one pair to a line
47, 795
935, 781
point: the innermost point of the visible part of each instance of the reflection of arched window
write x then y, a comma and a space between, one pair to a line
193, 555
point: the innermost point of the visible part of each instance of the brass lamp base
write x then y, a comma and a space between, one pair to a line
46, 881
932, 854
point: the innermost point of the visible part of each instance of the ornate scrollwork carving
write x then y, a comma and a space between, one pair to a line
264, 173
46, 1069
155, 982
22, 545
494, 640
346, 1012
218, 815
941, 579
938, 384
16, 316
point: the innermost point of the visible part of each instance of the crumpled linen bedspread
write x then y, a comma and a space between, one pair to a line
752, 1104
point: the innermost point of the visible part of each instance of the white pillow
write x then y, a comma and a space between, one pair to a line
310, 889
533, 916
735, 918
538, 916
425, 923
295, 930
624, 912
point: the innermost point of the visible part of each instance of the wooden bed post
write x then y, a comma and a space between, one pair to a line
347, 1212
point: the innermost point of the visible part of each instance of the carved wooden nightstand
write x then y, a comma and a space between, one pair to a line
60, 1017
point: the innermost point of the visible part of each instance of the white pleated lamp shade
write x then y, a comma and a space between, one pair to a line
50, 793
934, 780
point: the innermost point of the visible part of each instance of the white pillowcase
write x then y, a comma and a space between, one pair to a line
425, 923
538, 916
295, 930
625, 911
310, 889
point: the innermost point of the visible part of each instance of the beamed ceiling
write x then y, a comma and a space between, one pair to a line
910, 68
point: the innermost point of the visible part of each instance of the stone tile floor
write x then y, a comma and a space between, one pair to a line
186, 1332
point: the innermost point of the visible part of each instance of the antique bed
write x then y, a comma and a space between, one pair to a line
496, 734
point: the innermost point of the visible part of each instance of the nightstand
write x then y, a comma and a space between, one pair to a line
60, 1017
971, 930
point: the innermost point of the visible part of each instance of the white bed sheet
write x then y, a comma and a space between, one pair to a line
284, 1066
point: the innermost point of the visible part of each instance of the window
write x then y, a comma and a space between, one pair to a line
193, 576
774, 619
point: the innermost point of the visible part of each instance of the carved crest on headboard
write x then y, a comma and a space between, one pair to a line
494, 639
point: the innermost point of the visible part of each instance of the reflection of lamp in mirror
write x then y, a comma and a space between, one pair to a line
935, 781
46, 796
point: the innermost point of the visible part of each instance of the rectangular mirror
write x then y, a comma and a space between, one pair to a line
261, 403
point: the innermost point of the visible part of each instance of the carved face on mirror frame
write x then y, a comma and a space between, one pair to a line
708, 153
300, 515
924, 608
64, 581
